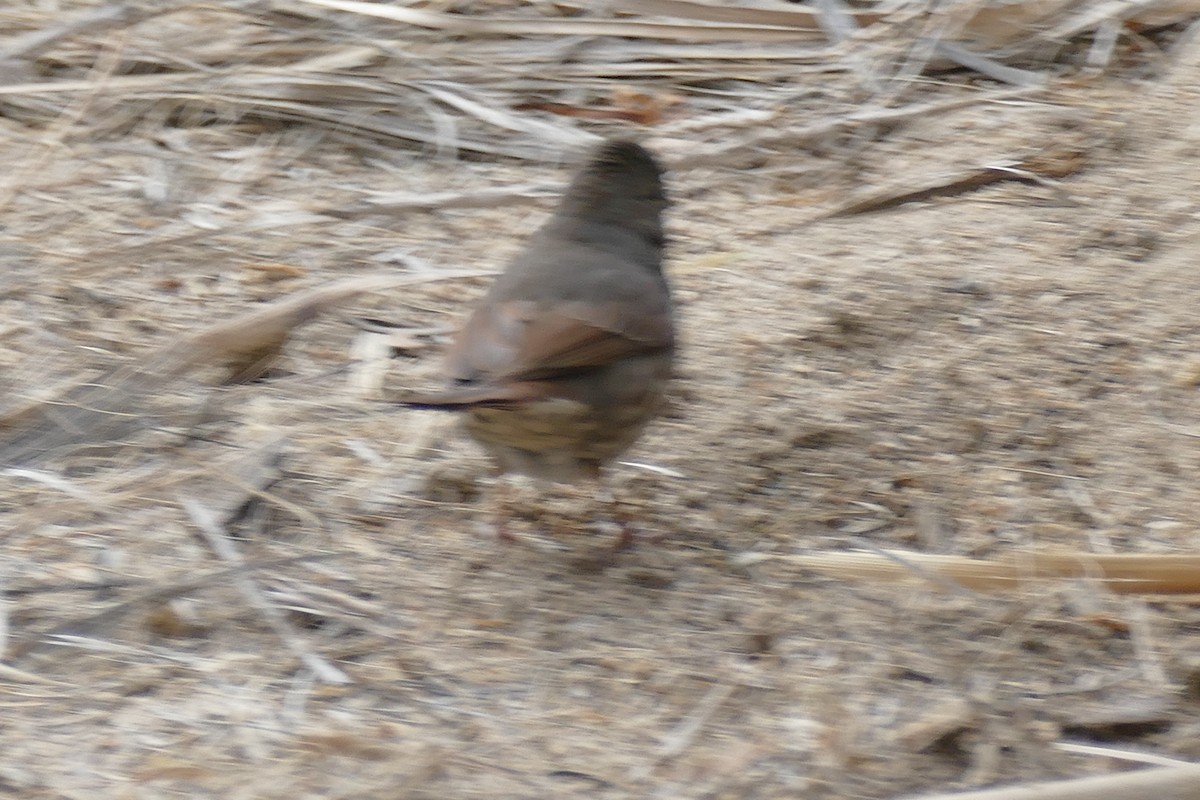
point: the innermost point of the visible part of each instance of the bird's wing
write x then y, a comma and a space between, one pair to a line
580, 336
516, 341
511, 352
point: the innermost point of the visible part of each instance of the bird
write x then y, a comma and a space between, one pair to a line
567, 357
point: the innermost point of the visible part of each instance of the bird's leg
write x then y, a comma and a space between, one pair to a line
627, 535
501, 496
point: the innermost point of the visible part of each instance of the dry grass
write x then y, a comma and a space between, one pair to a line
933, 308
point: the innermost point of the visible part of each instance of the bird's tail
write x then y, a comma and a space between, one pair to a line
469, 397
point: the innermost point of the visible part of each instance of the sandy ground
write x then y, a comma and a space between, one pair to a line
1008, 369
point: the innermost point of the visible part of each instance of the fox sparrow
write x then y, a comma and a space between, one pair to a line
567, 357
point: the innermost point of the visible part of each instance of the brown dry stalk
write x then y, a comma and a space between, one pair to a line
1040, 169
1134, 573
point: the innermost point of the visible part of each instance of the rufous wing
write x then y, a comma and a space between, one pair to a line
576, 337
512, 352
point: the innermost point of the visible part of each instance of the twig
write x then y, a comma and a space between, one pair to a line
212, 532
1156, 783
967, 182
156, 594
463, 25
918, 569
398, 202
677, 740
708, 12
54, 482
11, 673
721, 155
1131, 573
988, 66
1135, 756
